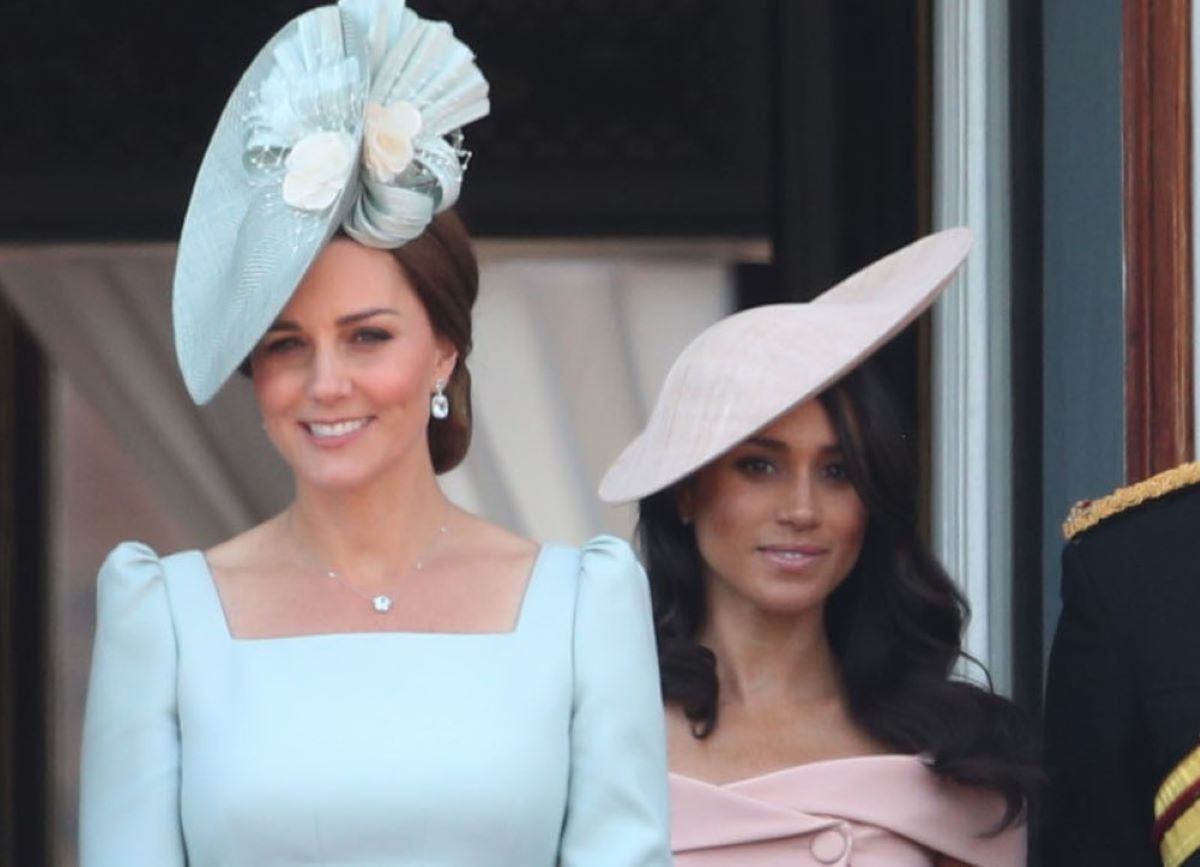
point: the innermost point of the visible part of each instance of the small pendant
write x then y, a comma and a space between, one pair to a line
383, 604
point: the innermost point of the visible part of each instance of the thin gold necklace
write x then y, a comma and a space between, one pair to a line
381, 602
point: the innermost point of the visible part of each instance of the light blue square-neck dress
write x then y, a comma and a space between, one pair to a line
538, 747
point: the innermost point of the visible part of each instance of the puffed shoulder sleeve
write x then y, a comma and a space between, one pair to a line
617, 813
129, 788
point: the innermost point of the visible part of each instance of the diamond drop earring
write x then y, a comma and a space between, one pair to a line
439, 404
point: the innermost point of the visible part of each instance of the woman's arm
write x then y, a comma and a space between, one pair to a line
129, 793
617, 813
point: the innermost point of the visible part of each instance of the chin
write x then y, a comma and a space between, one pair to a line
334, 477
794, 607
788, 598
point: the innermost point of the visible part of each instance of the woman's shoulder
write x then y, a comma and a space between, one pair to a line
482, 542
132, 565
601, 558
609, 552
602, 566
601, 561
890, 794
610, 586
139, 591
246, 549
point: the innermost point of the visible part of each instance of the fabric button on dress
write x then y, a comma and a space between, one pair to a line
828, 846
902, 812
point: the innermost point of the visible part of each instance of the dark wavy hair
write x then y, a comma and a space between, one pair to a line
895, 623
440, 263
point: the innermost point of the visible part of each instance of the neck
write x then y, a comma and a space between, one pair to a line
371, 531
767, 659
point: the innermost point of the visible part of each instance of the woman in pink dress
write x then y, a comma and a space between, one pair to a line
808, 639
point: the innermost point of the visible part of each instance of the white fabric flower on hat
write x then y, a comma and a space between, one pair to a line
318, 167
388, 134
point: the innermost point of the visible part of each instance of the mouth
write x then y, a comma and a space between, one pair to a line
333, 432
792, 558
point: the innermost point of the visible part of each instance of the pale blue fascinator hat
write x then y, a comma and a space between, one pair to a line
348, 118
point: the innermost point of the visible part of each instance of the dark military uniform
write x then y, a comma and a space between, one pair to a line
1123, 693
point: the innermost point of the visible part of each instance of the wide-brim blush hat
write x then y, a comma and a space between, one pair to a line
748, 369
348, 118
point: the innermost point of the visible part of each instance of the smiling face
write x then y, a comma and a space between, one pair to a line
778, 522
344, 375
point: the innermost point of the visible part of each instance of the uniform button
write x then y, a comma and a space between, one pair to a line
828, 846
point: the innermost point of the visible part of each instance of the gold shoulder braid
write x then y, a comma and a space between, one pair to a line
1088, 513
1177, 812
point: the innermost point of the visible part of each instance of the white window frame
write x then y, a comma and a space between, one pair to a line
971, 377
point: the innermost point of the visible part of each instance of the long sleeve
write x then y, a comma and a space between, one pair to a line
1100, 795
617, 809
129, 794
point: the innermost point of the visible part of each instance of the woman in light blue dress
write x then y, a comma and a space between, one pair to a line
373, 676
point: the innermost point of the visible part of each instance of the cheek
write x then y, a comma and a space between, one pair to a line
728, 523
403, 379
850, 525
274, 389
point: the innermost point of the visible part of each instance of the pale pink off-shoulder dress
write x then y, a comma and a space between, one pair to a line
869, 811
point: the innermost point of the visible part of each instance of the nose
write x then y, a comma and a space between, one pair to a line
328, 379
798, 507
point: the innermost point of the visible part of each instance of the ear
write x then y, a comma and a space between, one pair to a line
445, 358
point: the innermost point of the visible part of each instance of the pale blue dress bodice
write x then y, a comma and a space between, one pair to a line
538, 747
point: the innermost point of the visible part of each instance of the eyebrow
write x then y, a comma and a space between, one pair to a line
348, 319
774, 445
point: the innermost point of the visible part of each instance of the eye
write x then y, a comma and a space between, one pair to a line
754, 465
838, 471
371, 335
281, 344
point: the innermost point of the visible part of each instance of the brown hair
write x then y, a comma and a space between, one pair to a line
440, 264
